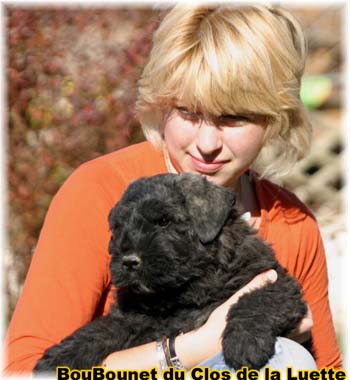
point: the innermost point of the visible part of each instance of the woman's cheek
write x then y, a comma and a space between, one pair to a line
179, 133
245, 143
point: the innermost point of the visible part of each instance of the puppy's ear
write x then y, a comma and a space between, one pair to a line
208, 205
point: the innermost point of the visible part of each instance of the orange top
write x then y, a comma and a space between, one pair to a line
69, 284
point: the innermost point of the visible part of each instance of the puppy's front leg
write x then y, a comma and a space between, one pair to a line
254, 323
87, 346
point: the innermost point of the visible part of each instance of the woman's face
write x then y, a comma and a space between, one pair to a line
221, 148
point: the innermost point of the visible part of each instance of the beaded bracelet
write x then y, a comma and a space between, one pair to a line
163, 365
166, 350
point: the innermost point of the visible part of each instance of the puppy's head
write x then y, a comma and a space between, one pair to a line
164, 231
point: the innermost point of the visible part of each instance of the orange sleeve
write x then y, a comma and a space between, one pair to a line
294, 234
312, 273
69, 270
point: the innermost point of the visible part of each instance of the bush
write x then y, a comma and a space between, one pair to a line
72, 77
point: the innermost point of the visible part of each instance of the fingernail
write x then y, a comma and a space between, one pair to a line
272, 275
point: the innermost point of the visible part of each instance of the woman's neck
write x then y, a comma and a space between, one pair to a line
249, 200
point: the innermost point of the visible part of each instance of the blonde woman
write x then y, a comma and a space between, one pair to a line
220, 88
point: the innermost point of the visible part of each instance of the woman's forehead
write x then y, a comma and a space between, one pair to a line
216, 107
209, 93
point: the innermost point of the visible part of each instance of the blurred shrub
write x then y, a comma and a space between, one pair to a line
72, 77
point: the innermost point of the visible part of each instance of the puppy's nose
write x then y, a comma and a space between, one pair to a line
131, 262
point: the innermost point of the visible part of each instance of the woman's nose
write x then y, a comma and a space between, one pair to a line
208, 139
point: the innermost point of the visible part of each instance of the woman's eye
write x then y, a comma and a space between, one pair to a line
233, 119
184, 112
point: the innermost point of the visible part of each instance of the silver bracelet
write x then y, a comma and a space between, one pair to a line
161, 356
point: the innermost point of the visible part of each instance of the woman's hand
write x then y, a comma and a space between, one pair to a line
303, 332
212, 330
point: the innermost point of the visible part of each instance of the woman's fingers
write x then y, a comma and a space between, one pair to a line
257, 282
216, 322
303, 331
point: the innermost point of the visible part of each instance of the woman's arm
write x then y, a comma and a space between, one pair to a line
69, 273
295, 237
194, 347
314, 280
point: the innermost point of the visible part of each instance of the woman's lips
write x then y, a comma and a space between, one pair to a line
203, 166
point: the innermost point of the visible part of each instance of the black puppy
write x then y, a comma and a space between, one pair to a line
179, 249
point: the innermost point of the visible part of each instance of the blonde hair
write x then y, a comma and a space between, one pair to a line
230, 59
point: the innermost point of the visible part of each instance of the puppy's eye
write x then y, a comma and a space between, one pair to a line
163, 222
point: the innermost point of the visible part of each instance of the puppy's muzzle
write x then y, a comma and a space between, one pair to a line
131, 262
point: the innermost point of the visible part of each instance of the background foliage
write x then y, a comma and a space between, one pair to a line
72, 77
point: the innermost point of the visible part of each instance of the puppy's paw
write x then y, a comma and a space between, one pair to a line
245, 349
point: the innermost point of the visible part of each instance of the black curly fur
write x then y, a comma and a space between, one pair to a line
179, 249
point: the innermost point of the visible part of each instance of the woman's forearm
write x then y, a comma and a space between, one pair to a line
192, 348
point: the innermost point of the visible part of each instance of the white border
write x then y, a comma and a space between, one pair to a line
160, 4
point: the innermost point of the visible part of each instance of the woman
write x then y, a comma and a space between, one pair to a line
221, 88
